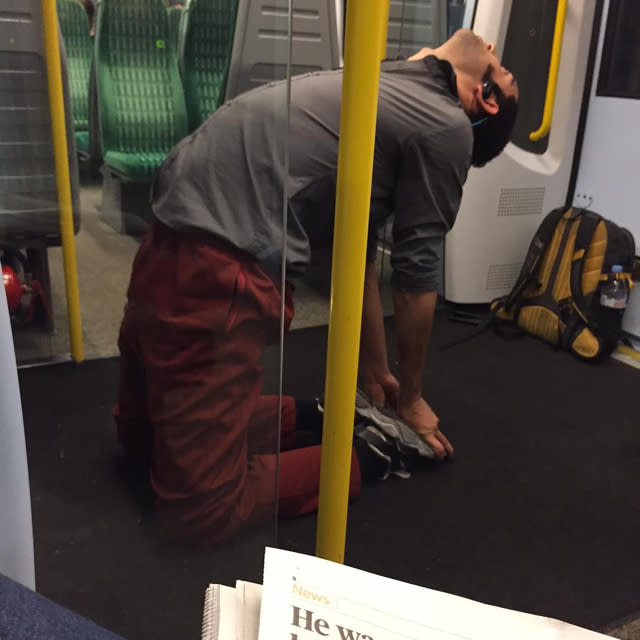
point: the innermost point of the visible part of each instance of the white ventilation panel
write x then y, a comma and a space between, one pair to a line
502, 276
521, 202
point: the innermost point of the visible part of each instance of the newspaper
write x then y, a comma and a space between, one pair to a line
307, 598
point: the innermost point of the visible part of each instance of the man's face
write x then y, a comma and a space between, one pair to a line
501, 76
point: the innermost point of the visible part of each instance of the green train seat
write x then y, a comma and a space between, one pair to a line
206, 41
74, 25
141, 106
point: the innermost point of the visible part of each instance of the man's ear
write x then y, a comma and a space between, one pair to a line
488, 105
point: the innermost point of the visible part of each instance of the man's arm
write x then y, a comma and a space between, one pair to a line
377, 382
414, 313
427, 198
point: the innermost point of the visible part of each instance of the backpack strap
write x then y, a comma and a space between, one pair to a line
584, 237
545, 298
536, 251
527, 275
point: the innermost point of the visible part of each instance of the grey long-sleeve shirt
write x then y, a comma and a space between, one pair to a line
227, 177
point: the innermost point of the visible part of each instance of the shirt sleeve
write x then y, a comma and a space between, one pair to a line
433, 169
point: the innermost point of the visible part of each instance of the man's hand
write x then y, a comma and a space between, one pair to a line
375, 378
421, 418
381, 389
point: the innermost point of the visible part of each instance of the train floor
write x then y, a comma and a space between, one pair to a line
537, 512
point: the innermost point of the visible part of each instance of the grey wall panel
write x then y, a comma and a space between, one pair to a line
260, 49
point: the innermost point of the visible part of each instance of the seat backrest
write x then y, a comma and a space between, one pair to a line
74, 24
140, 97
260, 52
28, 191
175, 17
205, 53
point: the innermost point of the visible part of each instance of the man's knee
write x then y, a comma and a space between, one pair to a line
206, 519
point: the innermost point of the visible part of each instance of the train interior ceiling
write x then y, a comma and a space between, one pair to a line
538, 512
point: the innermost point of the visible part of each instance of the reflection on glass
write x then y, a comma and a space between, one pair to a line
204, 300
179, 241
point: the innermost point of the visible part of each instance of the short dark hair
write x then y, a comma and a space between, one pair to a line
491, 137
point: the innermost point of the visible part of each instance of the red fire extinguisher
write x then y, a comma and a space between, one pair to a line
13, 288
21, 290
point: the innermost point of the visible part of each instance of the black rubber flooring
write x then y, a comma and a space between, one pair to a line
539, 511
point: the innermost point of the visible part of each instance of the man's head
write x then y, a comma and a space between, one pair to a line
487, 91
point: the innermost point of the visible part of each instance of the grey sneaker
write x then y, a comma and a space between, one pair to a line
386, 420
358, 424
387, 449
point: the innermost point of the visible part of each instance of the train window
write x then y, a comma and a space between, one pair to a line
527, 52
413, 25
455, 15
620, 67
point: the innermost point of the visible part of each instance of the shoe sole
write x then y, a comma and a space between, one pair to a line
392, 426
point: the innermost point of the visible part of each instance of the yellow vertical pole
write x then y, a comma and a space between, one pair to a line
365, 30
61, 153
385, 23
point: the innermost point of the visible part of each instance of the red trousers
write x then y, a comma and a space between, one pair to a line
198, 318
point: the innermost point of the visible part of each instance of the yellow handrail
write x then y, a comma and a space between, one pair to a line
61, 153
365, 30
552, 82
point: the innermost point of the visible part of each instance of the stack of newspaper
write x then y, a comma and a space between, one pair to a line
307, 598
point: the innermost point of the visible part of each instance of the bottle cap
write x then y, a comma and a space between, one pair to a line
617, 268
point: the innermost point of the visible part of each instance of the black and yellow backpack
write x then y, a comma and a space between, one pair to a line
557, 294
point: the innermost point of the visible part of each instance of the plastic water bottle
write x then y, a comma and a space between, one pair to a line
615, 293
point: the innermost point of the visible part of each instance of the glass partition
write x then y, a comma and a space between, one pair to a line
163, 445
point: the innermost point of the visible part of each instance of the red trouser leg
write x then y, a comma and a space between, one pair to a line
262, 427
202, 317
299, 468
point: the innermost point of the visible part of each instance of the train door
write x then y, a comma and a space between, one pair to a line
505, 201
